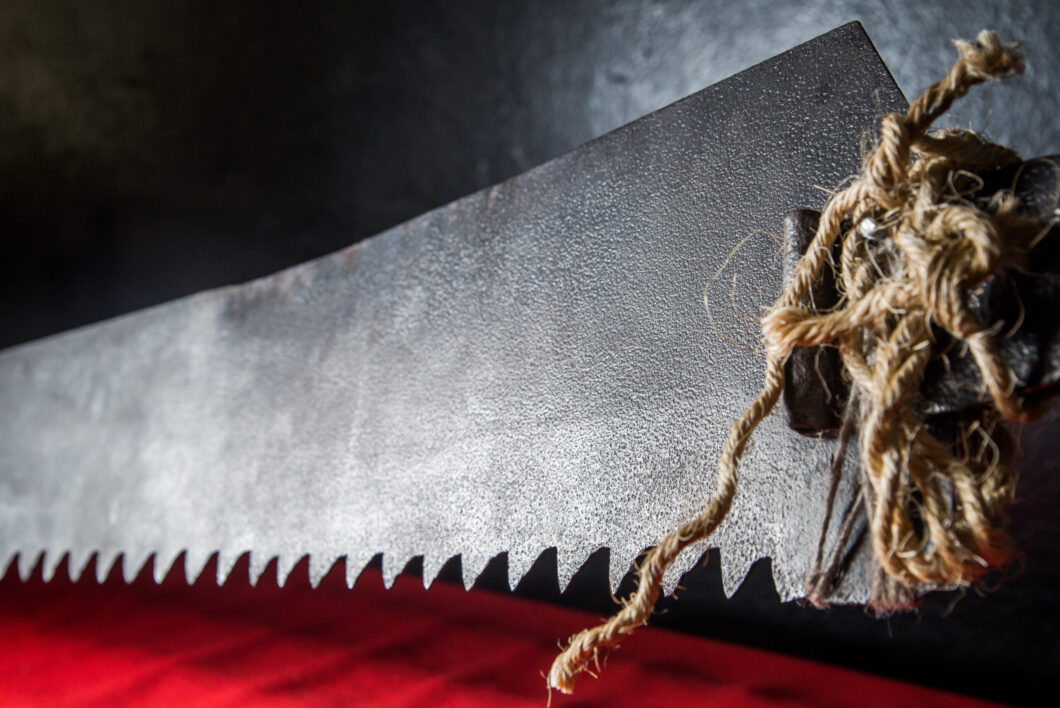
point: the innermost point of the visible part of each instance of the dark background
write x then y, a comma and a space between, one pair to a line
149, 150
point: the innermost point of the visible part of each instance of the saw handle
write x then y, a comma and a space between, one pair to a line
1022, 303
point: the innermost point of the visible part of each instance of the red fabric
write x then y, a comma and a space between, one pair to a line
86, 644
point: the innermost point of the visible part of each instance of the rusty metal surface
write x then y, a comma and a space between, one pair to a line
528, 367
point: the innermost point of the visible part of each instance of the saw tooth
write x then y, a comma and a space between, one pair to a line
26, 562
50, 564
164, 561
79, 560
21, 561
226, 563
105, 562
519, 564
320, 564
681, 565
567, 564
785, 578
472, 563
432, 565
286, 565
355, 565
393, 564
259, 563
734, 568
195, 562
227, 560
133, 563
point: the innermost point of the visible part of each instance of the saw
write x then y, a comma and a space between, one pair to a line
552, 362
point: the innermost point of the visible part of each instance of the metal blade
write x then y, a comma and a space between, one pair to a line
529, 367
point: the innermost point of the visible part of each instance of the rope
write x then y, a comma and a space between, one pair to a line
917, 249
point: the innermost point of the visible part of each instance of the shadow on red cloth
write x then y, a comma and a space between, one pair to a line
66, 643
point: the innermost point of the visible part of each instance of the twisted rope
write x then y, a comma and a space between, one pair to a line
931, 512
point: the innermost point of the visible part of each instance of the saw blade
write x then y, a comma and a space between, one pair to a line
530, 367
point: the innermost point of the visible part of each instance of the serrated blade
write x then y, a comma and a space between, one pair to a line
529, 367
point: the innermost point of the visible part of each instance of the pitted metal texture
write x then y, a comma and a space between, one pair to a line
529, 367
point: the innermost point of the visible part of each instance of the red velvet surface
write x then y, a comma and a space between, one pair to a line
64, 643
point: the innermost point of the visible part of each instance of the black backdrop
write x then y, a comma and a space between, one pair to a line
149, 150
